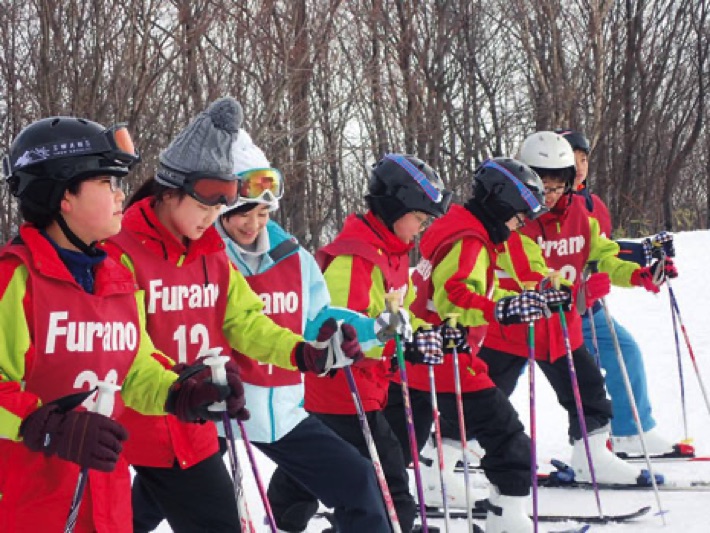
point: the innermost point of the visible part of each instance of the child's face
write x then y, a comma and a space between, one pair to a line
95, 212
245, 227
554, 190
581, 160
411, 225
516, 222
186, 217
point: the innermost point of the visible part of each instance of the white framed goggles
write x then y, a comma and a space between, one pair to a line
260, 184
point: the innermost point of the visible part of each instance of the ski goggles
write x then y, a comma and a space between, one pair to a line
211, 191
261, 183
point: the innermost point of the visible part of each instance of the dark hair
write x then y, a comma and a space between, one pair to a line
151, 188
40, 217
244, 208
565, 175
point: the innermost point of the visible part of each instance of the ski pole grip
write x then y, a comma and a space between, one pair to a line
104, 397
452, 319
216, 363
392, 302
554, 277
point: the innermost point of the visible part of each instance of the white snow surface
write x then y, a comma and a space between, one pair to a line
648, 318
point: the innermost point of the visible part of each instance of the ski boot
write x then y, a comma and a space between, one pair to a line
454, 481
508, 514
608, 468
656, 445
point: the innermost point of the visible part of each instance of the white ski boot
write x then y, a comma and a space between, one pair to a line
656, 444
454, 481
508, 514
607, 466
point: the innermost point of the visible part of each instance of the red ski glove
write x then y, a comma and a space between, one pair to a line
643, 277
88, 439
596, 286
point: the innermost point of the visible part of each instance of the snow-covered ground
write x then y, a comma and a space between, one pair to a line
648, 318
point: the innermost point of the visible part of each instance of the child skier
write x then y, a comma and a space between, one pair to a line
71, 318
569, 238
289, 281
623, 428
456, 275
196, 300
368, 259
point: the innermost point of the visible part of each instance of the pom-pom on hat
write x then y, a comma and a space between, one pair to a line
204, 147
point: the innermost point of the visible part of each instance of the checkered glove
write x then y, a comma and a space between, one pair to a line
557, 298
527, 306
426, 347
459, 336
657, 245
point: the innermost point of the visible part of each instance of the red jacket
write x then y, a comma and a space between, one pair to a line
375, 262
563, 234
36, 491
179, 327
436, 243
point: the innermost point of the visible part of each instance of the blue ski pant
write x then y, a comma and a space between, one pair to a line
622, 424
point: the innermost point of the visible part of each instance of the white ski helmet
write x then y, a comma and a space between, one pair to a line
247, 157
548, 151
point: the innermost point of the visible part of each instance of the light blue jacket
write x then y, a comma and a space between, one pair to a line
277, 410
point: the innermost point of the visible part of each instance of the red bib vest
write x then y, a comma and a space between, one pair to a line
280, 288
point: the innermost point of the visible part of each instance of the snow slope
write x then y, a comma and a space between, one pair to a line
648, 318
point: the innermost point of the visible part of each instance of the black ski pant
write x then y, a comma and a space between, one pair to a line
489, 417
314, 463
310, 453
391, 459
193, 500
505, 369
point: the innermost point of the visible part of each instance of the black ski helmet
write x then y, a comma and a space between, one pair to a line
401, 183
576, 139
52, 153
505, 187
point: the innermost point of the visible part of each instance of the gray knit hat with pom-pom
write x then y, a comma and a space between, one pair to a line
204, 147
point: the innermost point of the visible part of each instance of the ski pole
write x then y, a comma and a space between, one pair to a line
555, 280
372, 449
452, 317
679, 360
533, 419
659, 251
632, 402
216, 363
257, 476
392, 303
104, 407
674, 302
439, 445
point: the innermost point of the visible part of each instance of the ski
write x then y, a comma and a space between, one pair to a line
665, 458
479, 513
563, 477
681, 452
333, 528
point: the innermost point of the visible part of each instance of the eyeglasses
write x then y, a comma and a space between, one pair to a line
521, 220
423, 219
211, 191
257, 183
556, 190
114, 182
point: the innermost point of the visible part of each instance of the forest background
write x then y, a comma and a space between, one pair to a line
329, 86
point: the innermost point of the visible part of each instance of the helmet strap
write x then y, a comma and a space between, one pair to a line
88, 249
